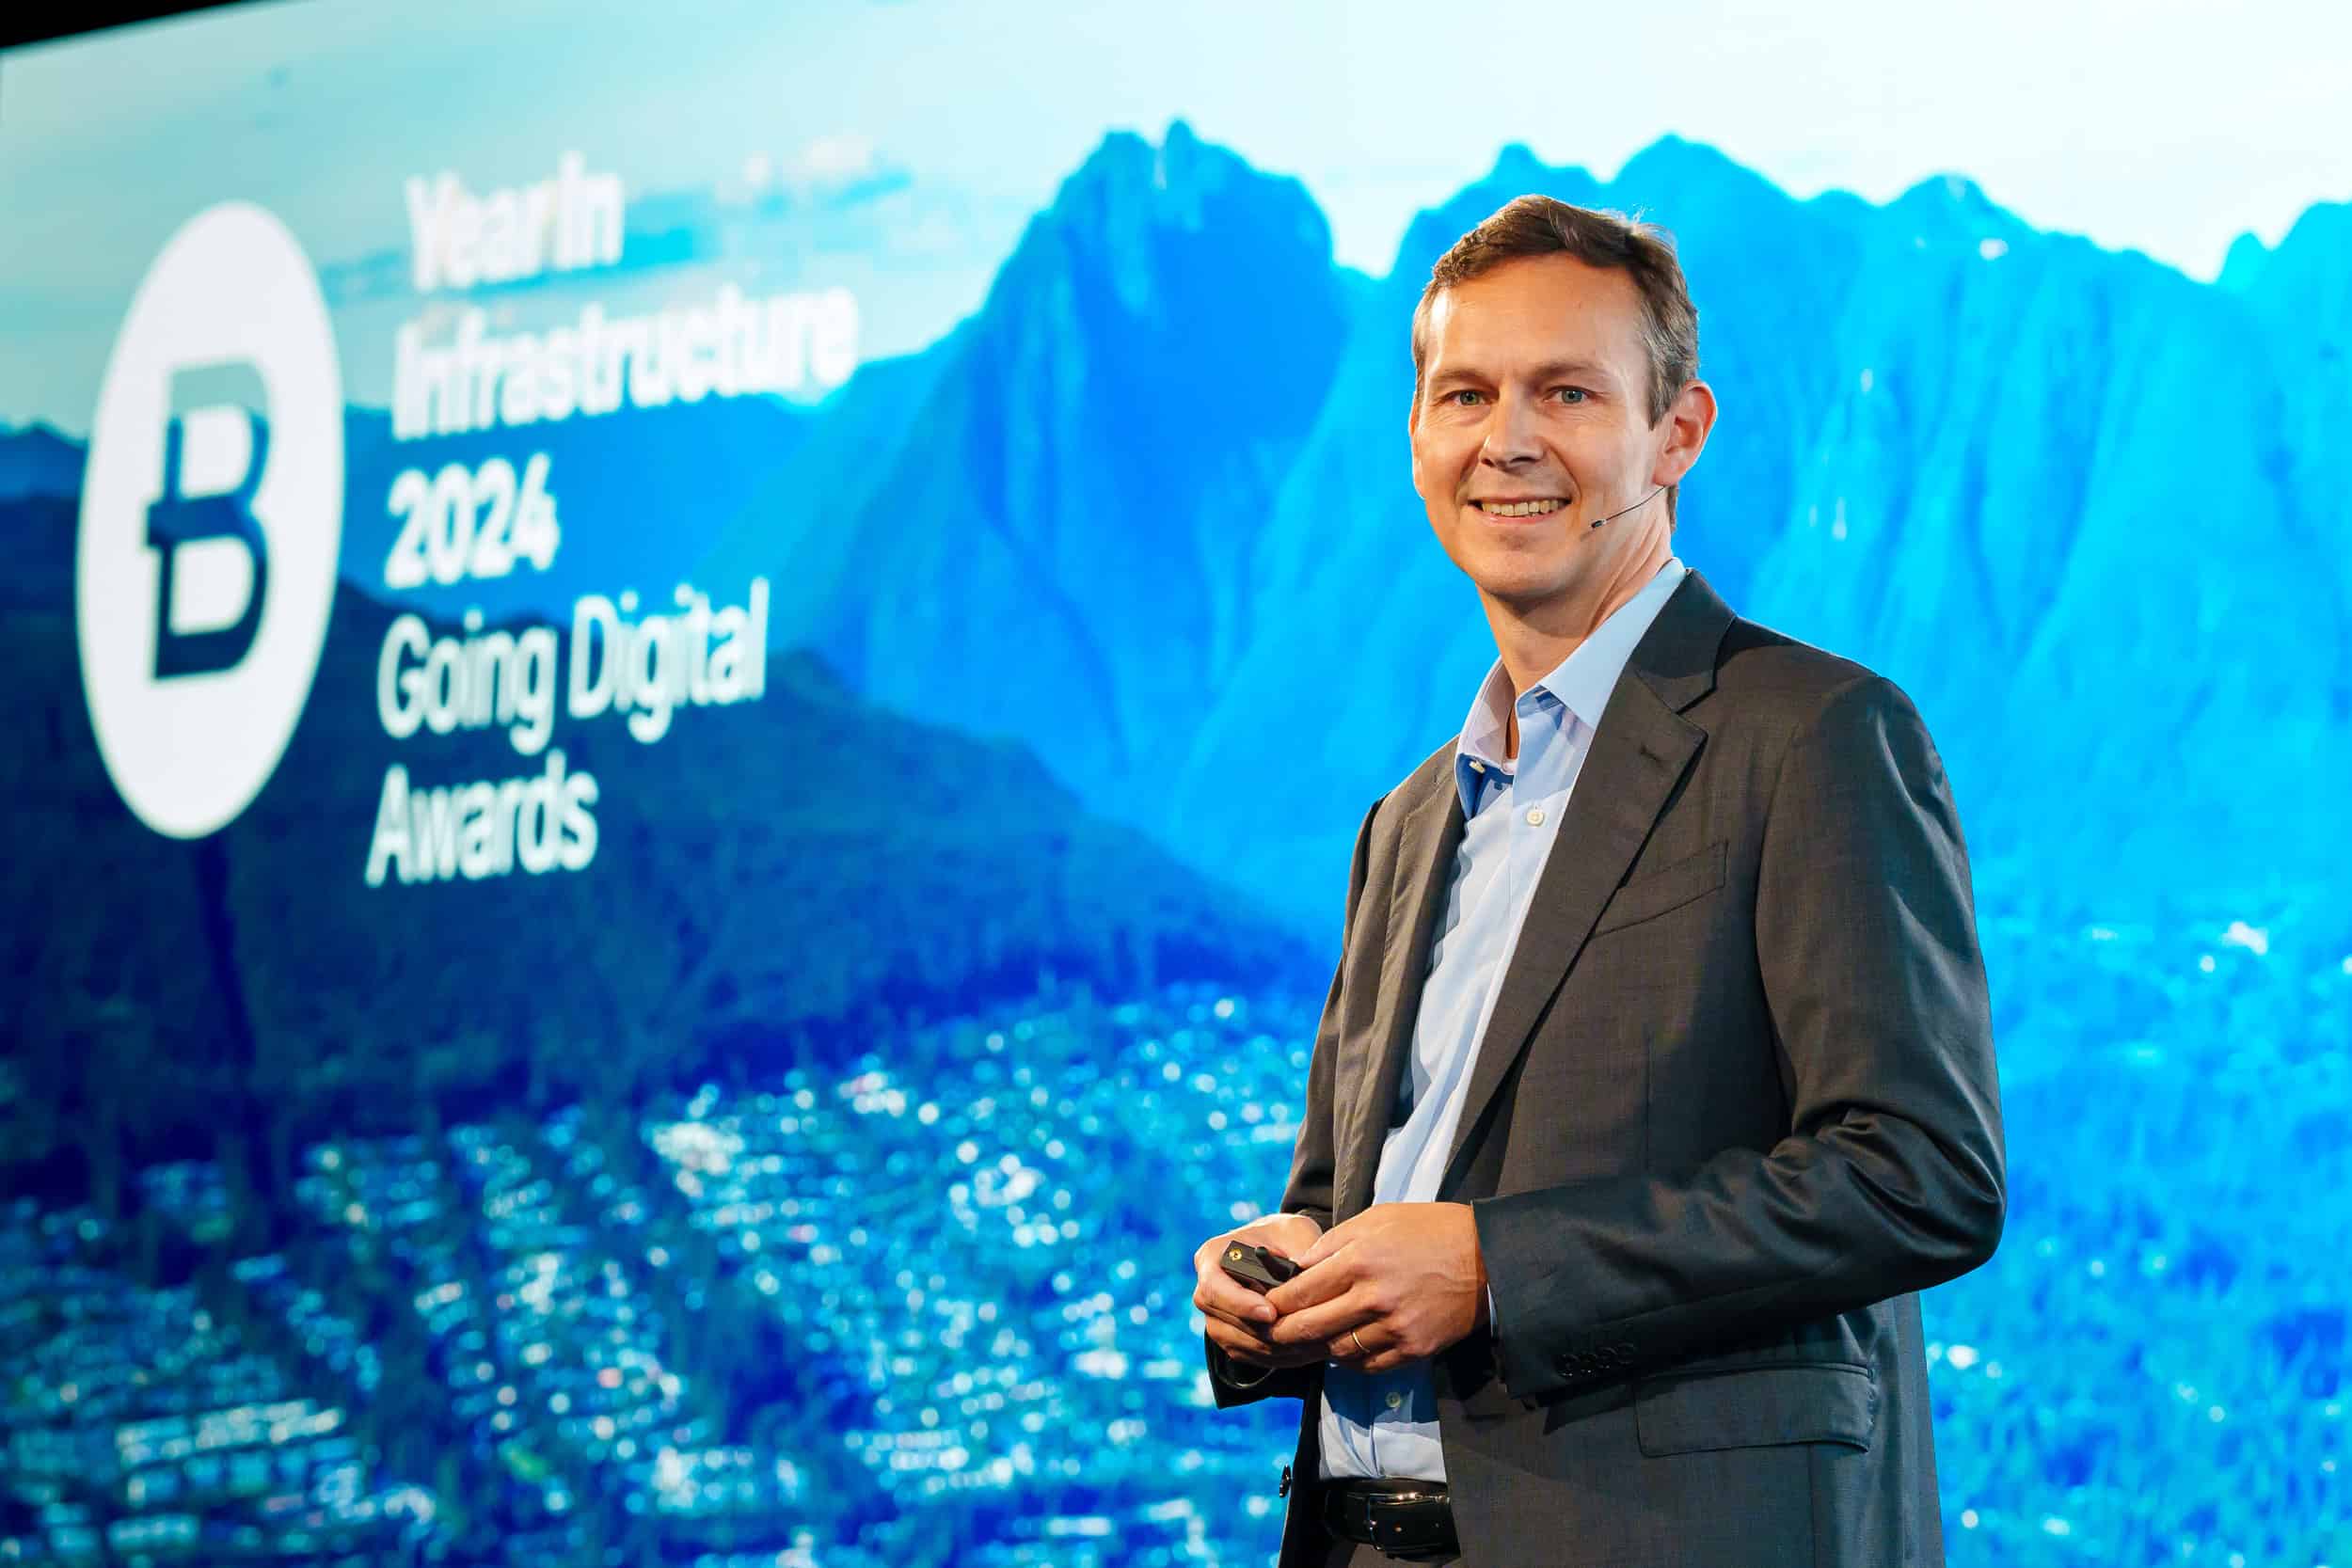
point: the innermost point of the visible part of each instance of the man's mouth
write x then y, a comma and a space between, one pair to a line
1520, 509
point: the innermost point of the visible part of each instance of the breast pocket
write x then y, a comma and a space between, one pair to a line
1669, 887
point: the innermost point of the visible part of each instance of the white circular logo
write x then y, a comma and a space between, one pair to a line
212, 520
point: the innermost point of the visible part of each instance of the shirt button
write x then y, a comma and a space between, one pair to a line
1396, 1402
1534, 817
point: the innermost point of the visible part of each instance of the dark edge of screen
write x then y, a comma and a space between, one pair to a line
46, 23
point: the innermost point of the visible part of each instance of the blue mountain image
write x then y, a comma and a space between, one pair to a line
38, 461
1148, 512
1043, 528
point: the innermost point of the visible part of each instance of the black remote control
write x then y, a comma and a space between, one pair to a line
1257, 1267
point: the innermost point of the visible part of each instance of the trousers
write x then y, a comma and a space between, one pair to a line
1373, 1556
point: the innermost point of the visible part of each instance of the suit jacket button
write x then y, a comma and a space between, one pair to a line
1284, 1490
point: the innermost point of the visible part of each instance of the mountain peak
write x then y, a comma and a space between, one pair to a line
1680, 184
1133, 212
2300, 280
1677, 159
36, 460
1954, 207
1517, 172
1516, 164
1172, 180
2243, 267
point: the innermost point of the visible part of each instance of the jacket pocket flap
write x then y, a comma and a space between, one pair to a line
1746, 1407
1676, 885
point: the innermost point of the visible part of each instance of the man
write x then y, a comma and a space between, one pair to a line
1657, 1074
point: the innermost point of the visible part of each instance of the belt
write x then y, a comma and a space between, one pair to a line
1409, 1519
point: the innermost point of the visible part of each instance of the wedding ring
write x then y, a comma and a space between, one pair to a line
1360, 1342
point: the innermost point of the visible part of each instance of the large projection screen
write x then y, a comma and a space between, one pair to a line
684, 692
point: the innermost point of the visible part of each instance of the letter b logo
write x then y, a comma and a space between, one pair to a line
206, 566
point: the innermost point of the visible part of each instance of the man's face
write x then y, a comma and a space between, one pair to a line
1536, 390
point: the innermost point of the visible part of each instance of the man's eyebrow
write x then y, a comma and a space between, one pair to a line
1550, 371
1571, 369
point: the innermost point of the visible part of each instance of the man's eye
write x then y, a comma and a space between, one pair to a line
1461, 392
1574, 394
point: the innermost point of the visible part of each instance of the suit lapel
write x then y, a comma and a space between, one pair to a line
1639, 754
1431, 836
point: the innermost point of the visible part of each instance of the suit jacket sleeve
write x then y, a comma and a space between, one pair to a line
1313, 1161
1891, 1177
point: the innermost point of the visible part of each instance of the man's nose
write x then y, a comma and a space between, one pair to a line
1510, 431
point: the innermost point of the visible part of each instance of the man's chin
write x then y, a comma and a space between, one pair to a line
1525, 587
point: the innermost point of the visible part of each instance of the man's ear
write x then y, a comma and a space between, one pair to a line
1687, 420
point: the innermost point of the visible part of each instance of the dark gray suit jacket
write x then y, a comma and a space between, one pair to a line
1735, 1106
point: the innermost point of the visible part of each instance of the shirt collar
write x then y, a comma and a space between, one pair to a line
1580, 682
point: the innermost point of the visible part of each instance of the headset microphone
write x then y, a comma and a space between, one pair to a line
1635, 507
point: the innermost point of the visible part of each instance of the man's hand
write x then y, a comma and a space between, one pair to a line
1238, 1316
1408, 1279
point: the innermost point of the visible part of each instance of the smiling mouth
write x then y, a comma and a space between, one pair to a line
1521, 509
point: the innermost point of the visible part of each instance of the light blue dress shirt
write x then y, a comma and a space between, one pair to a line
1386, 1424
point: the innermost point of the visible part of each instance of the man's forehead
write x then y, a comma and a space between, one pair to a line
1536, 310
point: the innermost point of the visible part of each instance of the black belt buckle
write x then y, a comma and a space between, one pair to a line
1403, 1523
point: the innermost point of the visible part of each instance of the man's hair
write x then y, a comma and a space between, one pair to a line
1543, 226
